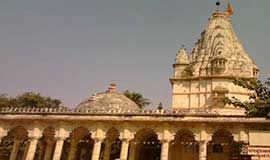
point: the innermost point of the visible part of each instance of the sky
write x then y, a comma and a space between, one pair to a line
71, 49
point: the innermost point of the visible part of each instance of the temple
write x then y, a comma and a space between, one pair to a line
109, 126
205, 76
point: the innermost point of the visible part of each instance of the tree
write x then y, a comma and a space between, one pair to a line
137, 98
259, 99
29, 99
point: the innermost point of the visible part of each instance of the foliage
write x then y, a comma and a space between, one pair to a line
137, 98
29, 99
259, 100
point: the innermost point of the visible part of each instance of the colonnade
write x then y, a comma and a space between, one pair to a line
54, 148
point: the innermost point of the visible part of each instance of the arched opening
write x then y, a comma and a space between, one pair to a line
14, 145
112, 145
147, 145
78, 146
222, 146
184, 146
45, 145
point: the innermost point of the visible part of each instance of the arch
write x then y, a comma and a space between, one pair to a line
14, 143
46, 144
146, 145
221, 146
184, 146
184, 135
222, 136
78, 145
112, 133
112, 145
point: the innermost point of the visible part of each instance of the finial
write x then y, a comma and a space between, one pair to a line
112, 88
182, 46
218, 4
160, 107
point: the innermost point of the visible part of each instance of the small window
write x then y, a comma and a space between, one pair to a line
217, 148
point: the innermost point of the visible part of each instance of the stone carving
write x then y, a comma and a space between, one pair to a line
219, 52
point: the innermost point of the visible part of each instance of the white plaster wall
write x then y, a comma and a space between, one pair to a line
198, 93
259, 138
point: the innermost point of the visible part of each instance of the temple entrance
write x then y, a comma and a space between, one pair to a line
148, 146
184, 146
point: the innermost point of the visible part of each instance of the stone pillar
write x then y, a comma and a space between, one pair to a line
96, 149
165, 137
58, 148
98, 137
107, 151
60, 135
202, 150
124, 149
32, 148
15, 149
3, 133
165, 150
49, 150
73, 149
34, 134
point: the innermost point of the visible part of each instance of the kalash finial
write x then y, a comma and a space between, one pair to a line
112, 88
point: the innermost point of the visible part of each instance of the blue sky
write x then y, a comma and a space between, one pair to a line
71, 49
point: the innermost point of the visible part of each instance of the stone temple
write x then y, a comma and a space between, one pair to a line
109, 126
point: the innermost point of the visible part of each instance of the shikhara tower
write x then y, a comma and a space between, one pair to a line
205, 76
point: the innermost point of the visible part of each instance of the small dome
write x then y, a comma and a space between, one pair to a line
109, 100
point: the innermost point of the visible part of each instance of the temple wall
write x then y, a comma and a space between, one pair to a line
259, 138
196, 94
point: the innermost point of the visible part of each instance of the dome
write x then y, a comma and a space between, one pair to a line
109, 100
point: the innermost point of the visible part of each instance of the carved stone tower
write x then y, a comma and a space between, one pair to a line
205, 76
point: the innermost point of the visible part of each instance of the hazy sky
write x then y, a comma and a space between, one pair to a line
70, 49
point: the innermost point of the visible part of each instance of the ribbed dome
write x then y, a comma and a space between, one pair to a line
109, 100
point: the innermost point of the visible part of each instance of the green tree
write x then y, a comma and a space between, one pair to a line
29, 99
259, 100
137, 98
4, 100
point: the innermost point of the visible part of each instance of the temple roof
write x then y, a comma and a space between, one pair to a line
219, 51
109, 100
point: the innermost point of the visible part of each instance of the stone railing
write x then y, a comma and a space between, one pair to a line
59, 111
